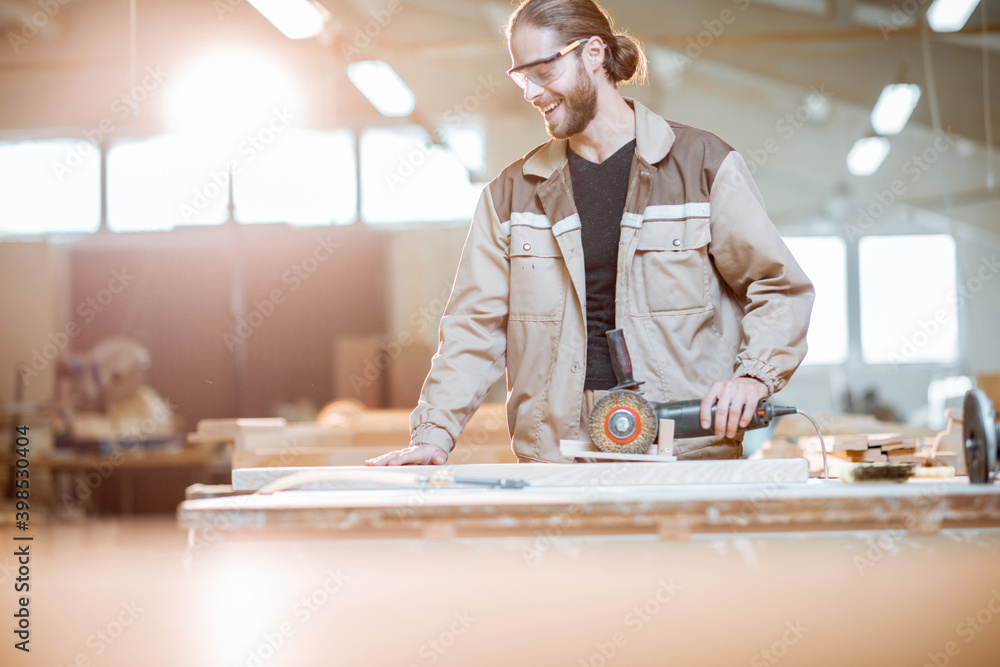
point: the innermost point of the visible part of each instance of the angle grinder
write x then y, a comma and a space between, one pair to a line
981, 435
624, 421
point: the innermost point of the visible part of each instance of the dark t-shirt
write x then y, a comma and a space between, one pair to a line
599, 191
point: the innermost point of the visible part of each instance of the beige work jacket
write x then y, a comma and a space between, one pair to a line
706, 291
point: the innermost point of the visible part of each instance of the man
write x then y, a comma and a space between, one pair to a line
622, 220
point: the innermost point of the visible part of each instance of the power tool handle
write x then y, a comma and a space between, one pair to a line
621, 362
687, 417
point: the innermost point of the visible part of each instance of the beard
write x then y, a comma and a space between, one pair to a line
580, 107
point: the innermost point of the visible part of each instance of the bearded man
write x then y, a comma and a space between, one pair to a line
623, 220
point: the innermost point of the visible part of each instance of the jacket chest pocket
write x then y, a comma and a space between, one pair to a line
537, 275
670, 267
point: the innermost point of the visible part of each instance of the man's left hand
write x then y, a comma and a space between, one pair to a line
735, 402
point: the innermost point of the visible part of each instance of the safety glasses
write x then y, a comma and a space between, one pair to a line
545, 71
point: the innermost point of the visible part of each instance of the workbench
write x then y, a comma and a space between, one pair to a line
128, 480
604, 564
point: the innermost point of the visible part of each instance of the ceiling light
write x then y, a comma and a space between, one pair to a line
867, 155
297, 19
894, 107
950, 15
231, 94
382, 86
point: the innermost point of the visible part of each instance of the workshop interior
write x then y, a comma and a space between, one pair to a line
229, 230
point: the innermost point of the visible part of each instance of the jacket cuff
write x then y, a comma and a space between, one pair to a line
759, 370
429, 434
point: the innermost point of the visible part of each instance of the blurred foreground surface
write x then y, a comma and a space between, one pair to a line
131, 593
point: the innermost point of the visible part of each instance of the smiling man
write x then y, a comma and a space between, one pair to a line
622, 220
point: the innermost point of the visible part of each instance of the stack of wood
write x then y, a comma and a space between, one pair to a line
858, 438
872, 447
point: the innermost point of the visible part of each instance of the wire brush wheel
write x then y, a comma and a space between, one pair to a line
622, 422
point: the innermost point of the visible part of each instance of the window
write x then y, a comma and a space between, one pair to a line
49, 186
468, 143
405, 179
824, 259
161, 182
305, 178
908, 299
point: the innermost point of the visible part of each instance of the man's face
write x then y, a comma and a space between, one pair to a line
569, 102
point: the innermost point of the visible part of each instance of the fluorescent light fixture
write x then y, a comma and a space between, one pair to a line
296, 19
894, 107
867, 155
950, 15
382, 86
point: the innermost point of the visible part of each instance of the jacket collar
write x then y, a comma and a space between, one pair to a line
653, 136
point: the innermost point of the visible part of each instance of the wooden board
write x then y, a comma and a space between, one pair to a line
583, 474
856, 442
228, 430
584, 449
886, 440
671, 511
796, 426
386, 430
278, 457
867, 456
249, 434
664, 445
308, 434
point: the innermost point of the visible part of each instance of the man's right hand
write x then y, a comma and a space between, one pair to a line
413, 455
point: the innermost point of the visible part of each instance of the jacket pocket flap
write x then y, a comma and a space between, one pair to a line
532, 242
674, 234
